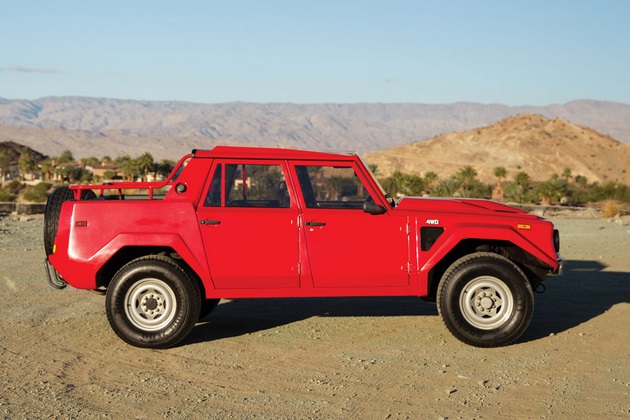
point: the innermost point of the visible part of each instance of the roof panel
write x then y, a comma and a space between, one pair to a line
237, 152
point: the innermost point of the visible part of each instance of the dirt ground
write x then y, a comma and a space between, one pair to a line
370, 358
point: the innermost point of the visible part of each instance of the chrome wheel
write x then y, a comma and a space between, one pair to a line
150, 304
486, 303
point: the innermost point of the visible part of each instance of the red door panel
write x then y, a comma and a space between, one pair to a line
250, 247
350, 248
249, 226
346, 246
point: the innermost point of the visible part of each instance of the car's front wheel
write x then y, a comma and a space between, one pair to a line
152, 302
485, 300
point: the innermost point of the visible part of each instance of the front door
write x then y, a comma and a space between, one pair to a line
346, 246
249, 227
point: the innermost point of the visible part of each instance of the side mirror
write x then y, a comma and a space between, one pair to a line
369, 206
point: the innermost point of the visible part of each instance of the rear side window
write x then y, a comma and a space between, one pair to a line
248, 185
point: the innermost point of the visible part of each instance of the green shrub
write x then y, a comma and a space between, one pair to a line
37, 193
10, 190
5, 195
14, 186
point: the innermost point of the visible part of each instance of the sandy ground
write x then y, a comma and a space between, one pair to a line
320, 358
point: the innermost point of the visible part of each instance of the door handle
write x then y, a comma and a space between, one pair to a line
209, 222
315, 224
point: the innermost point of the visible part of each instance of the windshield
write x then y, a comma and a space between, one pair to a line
378, 184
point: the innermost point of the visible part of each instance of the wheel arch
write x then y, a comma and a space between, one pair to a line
534, 269
127, 254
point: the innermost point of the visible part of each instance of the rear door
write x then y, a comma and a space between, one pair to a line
249, 226
348, 247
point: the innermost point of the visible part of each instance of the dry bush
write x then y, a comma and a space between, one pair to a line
611, 208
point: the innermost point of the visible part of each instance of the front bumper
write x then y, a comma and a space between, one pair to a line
559, 271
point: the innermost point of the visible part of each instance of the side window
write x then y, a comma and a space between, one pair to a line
213, 198
331, 187
255, 186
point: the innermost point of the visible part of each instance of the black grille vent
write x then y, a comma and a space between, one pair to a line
428, 236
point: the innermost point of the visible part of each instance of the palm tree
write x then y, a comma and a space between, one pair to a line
522, 179
394, 184
413, 185
27, 162
164, 168
47, 169
566, 174
65, 157
91, 161
554, 188
546, 191
5, 162
145, 163
128, 167
467, 175
582, 181
500, 172
446, 188
430, 177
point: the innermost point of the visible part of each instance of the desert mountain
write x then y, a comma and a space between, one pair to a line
526, 142
96, 126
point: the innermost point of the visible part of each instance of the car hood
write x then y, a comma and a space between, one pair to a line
456, 205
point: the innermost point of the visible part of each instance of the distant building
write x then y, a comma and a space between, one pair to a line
103, 168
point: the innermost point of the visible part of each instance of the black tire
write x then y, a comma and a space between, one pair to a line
52, 211
152, 303
207, 306
485, 300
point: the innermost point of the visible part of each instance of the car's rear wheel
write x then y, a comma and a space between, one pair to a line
485, 300
152, 302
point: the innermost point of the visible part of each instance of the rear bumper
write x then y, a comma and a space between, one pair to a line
54, 279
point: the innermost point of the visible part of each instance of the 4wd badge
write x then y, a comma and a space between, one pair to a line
433, 222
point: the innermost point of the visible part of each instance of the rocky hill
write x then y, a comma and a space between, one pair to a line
14, 150
526, 142
96, 126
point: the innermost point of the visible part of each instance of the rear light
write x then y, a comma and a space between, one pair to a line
556, 240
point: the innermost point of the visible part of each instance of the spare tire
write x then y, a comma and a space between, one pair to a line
52, 211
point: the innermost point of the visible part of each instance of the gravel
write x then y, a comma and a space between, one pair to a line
388, 358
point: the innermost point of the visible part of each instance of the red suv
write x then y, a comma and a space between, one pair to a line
235, 222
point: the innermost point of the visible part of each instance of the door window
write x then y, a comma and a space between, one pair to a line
331, 187
248, 185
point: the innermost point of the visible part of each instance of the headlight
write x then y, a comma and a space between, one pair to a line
556, 240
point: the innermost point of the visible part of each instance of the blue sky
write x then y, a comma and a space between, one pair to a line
534, 52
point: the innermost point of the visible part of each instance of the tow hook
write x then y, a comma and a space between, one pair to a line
540, 289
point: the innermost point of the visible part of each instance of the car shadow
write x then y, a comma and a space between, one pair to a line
245, 316
584, 292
